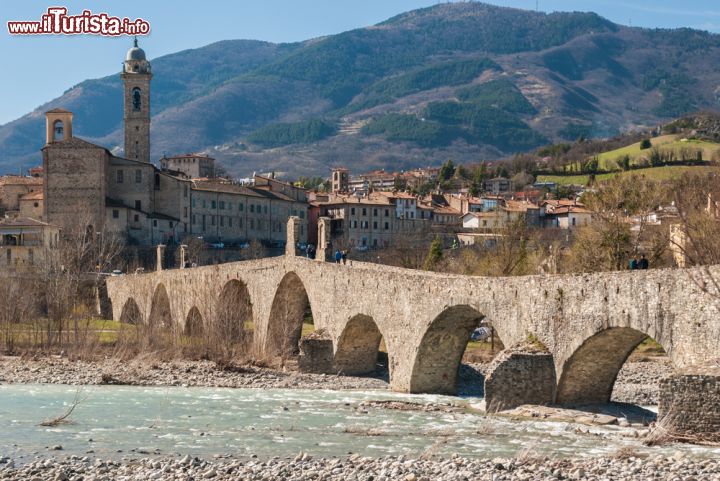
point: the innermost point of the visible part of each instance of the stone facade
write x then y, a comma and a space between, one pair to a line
518, 377
136, 77
692, 403
316, 353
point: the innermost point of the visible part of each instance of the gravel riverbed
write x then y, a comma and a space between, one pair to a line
637, 382
356, 468
176, 373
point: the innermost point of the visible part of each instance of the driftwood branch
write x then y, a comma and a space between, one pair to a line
63, 419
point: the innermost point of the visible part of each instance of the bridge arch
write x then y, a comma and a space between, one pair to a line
232, 312
160, 313
289, 307
438, 357
589, 374
131, 313
194, 323
357, 348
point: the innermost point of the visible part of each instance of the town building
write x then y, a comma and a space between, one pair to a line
368, 221
340, 180
25, 244
193, 166
86, 184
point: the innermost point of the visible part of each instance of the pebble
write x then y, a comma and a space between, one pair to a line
363, 468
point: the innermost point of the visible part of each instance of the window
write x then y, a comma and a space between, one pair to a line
170, 224
229, 206
212, 220
222, 204
194, 219
222, 220
387, 225
252, 207
364, 211
185, 212
412, 215
229, 221
387, 212
157, 181
138, 205
116, 214
154, 222
302, 214
136, 218
374, 211
138, 176
136, 99
59, 132
265, 209
241, 207
120, 176
374, 224
252, 224
352, 210
213, 204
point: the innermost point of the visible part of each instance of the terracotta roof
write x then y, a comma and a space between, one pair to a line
39, 195
185, 156
23, 222
446, 210
574, 209
519, 205
20, 180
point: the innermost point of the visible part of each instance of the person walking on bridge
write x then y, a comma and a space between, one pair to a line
633, 264
338, 256
643, 262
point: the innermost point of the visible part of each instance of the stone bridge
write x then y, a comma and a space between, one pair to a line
588, 323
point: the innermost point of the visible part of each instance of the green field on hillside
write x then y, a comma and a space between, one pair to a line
656, 173
664, 143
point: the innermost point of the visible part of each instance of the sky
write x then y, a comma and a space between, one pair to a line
40, 68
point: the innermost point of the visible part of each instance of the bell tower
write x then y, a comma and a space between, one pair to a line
136, 85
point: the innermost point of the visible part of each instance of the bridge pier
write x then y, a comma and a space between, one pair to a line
690, 405
519, 376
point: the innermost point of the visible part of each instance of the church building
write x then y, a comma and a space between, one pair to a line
85, 184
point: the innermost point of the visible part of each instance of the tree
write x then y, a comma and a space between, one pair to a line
624, 163
447, 170
434, 255
478, 180
608, 243
645, 144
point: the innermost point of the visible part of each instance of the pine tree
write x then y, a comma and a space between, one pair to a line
434, 255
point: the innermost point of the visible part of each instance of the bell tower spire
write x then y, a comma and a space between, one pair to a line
136, 76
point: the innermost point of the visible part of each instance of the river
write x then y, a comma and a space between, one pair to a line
116, 421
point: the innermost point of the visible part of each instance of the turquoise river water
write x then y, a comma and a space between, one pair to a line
115, 421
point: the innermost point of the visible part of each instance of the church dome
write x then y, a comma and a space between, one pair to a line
135, 53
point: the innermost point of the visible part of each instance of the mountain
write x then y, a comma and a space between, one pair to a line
466, 81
